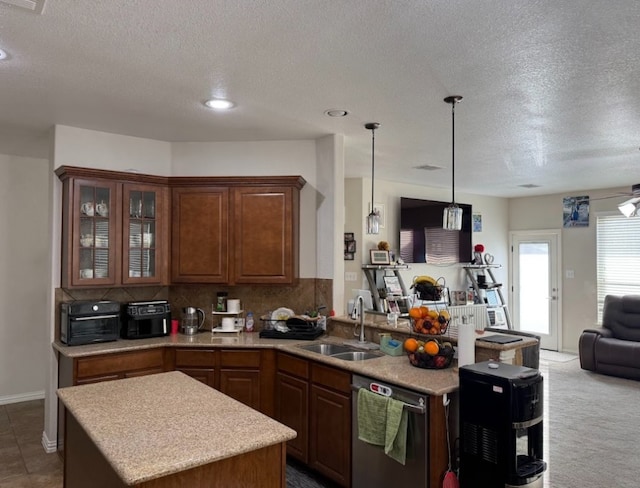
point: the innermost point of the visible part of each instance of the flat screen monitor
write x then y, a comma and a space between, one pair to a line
422, 238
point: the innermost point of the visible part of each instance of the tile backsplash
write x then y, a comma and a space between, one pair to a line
306, 295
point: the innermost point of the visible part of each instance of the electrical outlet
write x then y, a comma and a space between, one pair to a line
350, 276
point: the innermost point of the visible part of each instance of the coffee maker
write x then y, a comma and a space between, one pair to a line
501, 426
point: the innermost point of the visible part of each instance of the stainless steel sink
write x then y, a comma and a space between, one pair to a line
326, 349
357, 355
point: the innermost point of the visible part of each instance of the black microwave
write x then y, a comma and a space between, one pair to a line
142, 320
88, 322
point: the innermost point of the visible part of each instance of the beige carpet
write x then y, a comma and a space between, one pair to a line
558, 357
592, 428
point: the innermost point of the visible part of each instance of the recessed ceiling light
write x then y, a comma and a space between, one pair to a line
3, 55
219, 104
336, 112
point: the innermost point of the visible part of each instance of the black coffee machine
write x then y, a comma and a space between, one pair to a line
501, 426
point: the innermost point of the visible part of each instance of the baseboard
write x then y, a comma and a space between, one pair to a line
22, 397
50, 446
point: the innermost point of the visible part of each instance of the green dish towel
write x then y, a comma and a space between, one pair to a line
372, 417
395, 445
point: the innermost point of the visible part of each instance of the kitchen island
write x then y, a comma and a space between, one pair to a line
168, 430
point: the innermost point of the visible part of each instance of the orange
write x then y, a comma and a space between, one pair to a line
432, 348
411, 345
415, 313
424, 311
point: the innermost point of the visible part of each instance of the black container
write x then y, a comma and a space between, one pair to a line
142, 320
501, 429
88, 322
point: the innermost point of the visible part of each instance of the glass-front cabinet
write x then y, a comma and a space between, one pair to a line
142, 231
114, 230
94, 232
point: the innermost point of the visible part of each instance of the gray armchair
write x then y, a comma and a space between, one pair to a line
614, 348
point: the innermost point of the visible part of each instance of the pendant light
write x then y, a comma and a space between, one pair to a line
373, 219
452, 217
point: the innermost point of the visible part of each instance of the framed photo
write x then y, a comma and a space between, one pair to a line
350, 246
380, 257
349, 236
393, 306
348, 256
392, 284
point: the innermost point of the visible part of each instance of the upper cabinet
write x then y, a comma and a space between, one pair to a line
114, 228
130, 229
235, 230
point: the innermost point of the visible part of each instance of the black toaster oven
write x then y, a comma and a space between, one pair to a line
141, 320
87, 322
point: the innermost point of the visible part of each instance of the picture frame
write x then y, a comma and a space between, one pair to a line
349, 236
380, 257
350, 246
349, 256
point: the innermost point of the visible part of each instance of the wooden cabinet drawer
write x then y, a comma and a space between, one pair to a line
335, 379
239, 358
293, 365
114, 363
188, 358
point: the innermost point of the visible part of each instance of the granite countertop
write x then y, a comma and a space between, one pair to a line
197, 427
393, 369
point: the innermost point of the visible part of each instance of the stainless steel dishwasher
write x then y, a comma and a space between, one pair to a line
371, 467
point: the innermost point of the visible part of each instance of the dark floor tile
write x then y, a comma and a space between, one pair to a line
17, 482
12, 465
7, 440
32, 405
47, 478
36, 459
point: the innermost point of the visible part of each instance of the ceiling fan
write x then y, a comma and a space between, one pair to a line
630, 207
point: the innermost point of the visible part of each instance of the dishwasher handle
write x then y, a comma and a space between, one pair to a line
419, 409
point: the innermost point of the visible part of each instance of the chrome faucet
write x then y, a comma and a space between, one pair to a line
358, 311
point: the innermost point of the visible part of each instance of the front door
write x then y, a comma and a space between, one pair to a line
535, 266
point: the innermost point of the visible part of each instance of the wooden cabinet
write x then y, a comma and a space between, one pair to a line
265, 234
315, 401
235, 230
200, 235
330, 425
244, 374
292, 402
114, 228
199, 364
240, 375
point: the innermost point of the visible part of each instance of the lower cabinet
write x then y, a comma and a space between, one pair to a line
243, 374
315, 401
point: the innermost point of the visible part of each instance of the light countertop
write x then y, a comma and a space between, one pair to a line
393, 369
198, 426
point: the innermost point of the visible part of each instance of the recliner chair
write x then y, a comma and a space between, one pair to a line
614, 348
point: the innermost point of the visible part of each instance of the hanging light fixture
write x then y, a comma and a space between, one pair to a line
373, 219
452, 217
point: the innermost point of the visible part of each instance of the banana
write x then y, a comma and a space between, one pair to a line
424, 279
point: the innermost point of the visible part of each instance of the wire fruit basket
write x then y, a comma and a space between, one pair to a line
424, 360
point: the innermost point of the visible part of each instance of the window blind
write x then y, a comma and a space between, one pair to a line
618, 257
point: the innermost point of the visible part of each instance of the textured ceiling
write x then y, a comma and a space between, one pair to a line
550, 86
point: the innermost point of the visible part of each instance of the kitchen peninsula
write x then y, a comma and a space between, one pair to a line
166, 430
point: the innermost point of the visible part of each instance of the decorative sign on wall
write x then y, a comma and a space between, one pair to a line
476, 222
575, 211
349, 246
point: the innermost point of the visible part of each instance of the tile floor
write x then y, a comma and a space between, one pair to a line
23, 461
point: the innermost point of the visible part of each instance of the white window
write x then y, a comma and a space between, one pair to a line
618, 257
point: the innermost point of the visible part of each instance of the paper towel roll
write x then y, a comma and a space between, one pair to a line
466, 344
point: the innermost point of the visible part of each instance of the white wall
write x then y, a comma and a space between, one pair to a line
93, 149
494, 235
24, 287
578, 253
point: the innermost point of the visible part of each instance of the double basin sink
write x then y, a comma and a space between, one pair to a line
340, 351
